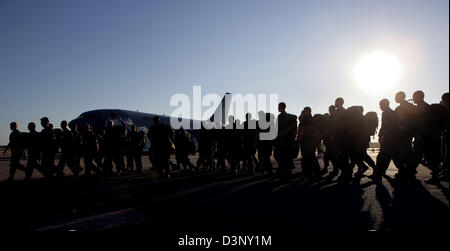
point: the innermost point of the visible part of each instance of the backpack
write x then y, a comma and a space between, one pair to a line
371, 122
438, 117
353, 118
320, 122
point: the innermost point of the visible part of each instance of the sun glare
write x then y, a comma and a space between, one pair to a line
377, 71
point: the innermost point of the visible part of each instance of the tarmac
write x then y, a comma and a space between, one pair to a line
203, 202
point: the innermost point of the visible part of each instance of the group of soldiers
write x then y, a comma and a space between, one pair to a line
99, 151
411, 134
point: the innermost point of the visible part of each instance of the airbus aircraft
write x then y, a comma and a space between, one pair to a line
143, 121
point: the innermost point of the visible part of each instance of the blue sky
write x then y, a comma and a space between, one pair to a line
61, 58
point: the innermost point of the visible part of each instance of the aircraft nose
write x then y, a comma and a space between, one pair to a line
74, 122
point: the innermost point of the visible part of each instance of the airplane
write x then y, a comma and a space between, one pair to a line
143, 121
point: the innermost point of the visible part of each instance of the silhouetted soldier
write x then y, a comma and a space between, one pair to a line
48, 147
66, 144
321, 122
249, 144
89, 150
33, 150
205, 149
233, 141
330, 147
445, 136
182, 149
221, 151
369, 128
108, 141
341, 139
239, 144
136, 144
284, 143
387, 136
405, 128
427, 139
76, 144
265, 147
99, 157
360, 128
16, 144
309, 138
119, 147
161, 138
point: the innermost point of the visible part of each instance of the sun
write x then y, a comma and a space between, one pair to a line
377, 71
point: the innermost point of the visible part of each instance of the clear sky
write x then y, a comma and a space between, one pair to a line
61, 58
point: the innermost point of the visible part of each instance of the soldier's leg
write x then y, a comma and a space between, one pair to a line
221, 162
165, 164
250, 166
61, 163
99, 160
367, 159
87, 164
45, 164
30, 167
306, 164
33, 164
383, 160
432, 155
326, 160
76, 159
344, 165
268, 161
130, 162
118, 162
159, 165
95, 167
138, 160
414, 157
359, 161
446, 154
107, 164
15, 162
315, 165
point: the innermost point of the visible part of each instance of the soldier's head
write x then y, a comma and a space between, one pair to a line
230, 119
133, 128
109, 124
45, 122
31, 127
281, 107
331, 109
400, 97
156, 120
13, 126
418, 97
248, 116
307, 110
63, 124
88, 127
444, 98
339, 103
384, 104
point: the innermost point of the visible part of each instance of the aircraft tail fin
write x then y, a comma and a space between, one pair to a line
222, 109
